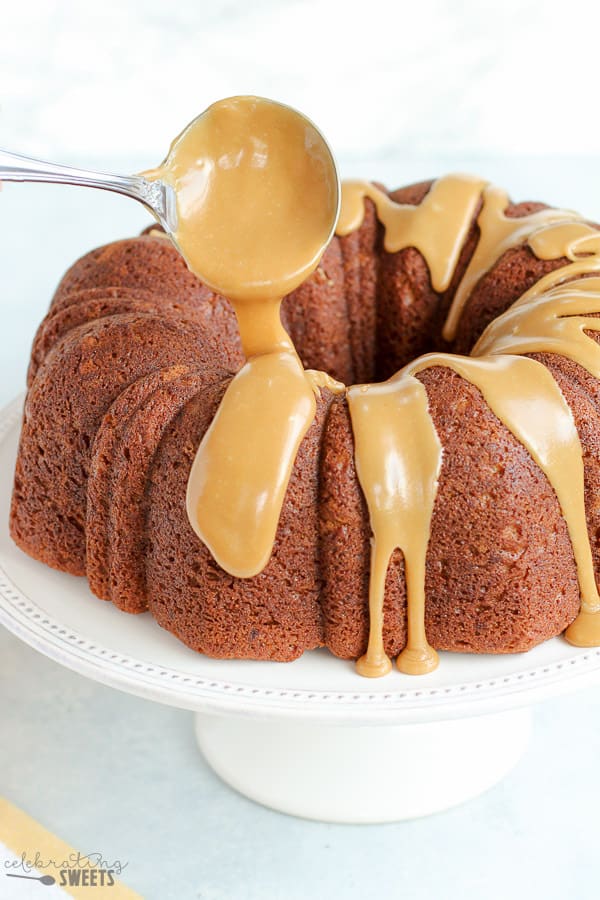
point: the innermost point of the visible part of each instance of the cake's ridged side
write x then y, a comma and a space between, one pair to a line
153, 269
144, 264
582, 392
57, 324
106, 450
316, 318
360, 254
62, 300
515, 272
128, 533
540, 595
500, 569
345, 548
407, 305
344, 535
501, 575
79, 380
275, 615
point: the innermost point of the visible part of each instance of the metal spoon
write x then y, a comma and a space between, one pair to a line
156, 196
44, 879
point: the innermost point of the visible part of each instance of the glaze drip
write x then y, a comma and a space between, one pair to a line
242, 468
398, 473
437, 227
253, 234
552, 317
497, 234
554, 321
254, 445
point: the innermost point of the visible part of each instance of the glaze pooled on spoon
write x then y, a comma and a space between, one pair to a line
257, 201
257, 198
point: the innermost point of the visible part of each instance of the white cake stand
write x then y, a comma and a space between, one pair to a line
312, 737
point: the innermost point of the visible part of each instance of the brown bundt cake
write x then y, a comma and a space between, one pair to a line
135, 354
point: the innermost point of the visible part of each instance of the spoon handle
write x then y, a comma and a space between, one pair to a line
28, 877
155, 195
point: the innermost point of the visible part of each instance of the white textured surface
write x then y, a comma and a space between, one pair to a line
443, 90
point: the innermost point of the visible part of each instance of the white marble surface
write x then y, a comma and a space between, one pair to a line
444, 90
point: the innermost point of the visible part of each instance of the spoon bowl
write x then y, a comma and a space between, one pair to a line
257, 193
252, 173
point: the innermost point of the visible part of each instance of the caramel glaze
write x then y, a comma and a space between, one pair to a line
252, 233
399, 476
398, 467
398, 470
437, 227
237, 208
256, 193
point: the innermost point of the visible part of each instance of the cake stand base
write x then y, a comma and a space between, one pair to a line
334, 773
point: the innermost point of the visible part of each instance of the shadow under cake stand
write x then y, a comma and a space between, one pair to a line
311, 738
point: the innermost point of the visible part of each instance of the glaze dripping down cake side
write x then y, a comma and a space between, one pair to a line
131, 364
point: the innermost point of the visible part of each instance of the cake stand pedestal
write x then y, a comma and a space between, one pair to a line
361, 774
312, 737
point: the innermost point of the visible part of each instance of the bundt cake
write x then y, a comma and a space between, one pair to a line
454, 506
